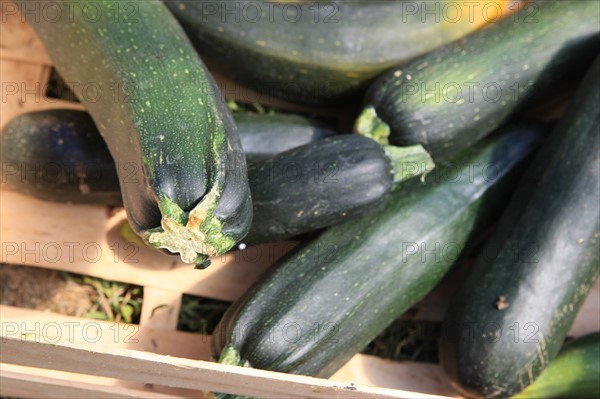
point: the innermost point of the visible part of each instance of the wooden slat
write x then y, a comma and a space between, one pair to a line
84, 239
366, 370
20, 89
18, 41
407, 376
55, 328
23, 88
19, 381
160, 309
52, 328
588, 318
182, 373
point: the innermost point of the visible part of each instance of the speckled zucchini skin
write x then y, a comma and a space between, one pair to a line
449, 98
316, 51
333, 296
180, 163
316, 186
511, 315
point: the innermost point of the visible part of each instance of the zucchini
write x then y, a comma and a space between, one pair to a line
322, 51
449, 98
510, 316
58, 155
322, 304
325, 183
300, 190
159, 111
574, 373
265, 135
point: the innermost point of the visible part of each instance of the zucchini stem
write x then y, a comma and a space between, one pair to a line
408, 162
370, 125
231, 357
195, 235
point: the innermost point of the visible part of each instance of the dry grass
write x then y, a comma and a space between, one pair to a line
69, 294
43, 289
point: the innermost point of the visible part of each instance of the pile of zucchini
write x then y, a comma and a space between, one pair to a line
441, 151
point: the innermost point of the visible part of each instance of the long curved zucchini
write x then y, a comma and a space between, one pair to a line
323, 51
60, 156
511, 315
451, 97
319, 306
574, 373
160, 113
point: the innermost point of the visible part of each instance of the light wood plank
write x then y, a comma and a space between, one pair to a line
18, 41
183, 373
53, 328
408, 376
19, 381
588, 318
160, 309
84, 239
23, 88
20, 88
102, 382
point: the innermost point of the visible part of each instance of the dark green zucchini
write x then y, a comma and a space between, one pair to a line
265, 135
511, 315
451, 97
59, 155
300, 190
574, 373
321, 51
181, 167
322, 304
325, 183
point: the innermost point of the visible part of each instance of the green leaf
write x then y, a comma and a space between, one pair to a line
127, 313
96, 315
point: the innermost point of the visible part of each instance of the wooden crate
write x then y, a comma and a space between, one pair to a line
50, 355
